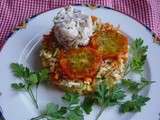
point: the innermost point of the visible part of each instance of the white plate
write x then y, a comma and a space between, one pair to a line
23, 47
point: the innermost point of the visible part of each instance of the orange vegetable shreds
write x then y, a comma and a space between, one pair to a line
49, 41
94, 19
109, 43
80, 63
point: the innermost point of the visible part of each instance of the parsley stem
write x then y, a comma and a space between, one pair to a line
126, 71
36, 91
33, 98
100, 113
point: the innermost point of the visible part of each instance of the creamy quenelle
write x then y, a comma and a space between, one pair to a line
72, 27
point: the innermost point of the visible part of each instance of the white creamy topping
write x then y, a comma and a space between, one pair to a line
72, 28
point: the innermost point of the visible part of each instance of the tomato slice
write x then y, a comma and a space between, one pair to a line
80, 63
109, 43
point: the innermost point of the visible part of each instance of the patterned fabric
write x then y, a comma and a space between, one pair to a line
13, 12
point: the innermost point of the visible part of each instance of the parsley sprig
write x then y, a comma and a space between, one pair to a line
52, 112
104, 97
136, 87
138, 52
29, 79
72, 110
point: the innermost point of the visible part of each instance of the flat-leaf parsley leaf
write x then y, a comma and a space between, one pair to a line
133, 105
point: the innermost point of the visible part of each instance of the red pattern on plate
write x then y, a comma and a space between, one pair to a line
13, 12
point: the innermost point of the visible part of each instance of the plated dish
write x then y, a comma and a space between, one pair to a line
82, 55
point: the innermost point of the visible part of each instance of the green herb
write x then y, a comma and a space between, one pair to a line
18, 86
139, 53
52, 112
30, 79
134, 105
75, 113
72, 110
135, 87
73, 106
19, 70
104, 97
87, 104
71, 99
42, 75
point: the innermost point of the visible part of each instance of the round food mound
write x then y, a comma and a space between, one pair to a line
109, 42
76, 69
80, 63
